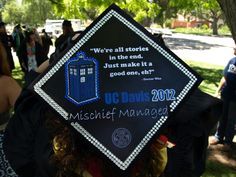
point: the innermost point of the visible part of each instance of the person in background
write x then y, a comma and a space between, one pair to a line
46, 41
227, 89
10, 90
31, 53
37, 36
67, 33
18, 38
65, 40
7, 42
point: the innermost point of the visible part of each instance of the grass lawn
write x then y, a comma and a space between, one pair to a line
215, 169
210, 73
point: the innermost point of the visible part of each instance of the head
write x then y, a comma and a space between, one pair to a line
2, 27
235, 50
18, 27
4, 66
67, 27
30, 36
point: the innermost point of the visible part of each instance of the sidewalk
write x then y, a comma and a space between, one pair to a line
208, 49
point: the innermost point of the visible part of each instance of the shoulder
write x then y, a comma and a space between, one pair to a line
232, 60
10, 88
4, 83
6, 80
9, 84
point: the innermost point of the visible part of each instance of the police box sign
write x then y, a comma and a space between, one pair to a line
117, 85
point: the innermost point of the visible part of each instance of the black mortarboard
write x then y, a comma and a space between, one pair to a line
117, 85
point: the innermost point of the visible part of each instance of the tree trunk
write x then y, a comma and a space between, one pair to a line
215, 26
229, 9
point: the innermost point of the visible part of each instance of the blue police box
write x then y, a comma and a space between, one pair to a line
81, 79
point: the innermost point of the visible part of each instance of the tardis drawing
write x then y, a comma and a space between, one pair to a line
81, 74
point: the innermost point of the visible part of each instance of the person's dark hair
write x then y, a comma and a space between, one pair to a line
4, 66
2, 24
65, 156
72, 153
66, 23
27, 34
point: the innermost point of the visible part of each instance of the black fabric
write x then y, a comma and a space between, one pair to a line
26, 142
47, 42
63, 44
5, 168
7, 42
4, 117
189, 129
60, 42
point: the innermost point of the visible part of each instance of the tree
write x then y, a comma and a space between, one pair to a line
2, 5
229, 9
208, 10
167, 10
31, 12
37, 11
13, 13
90, 9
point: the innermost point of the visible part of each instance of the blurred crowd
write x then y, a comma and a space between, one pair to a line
31, 48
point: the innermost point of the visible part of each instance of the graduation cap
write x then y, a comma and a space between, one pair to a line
116, 85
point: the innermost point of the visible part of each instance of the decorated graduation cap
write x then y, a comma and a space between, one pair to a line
117, 85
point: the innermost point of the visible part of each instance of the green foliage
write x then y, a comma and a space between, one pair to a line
182, 5
223, 31
13, 13
3, 2
209, 10
90, 9
18, 75
196, 5
30, 12
193, 31
144, 11
41, 11
204, 27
